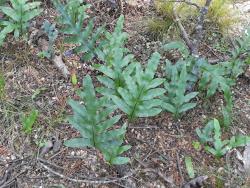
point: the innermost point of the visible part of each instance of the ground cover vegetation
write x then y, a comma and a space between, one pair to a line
118, 90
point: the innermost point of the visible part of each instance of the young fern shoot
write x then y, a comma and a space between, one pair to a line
93, 122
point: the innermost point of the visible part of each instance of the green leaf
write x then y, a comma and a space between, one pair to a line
74, 79
189, 167
149, 112
186, 107
120, 160
28, 121
179, 46
152, 93
11, 13
78, 143
122, 105
169, 107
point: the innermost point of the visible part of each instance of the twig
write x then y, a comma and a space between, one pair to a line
186, 2
199, 27
144, 127
100, 181
179, 167
161, 175
183, 31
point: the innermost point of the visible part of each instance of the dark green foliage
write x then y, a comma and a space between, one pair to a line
235, 66
92, 121
212, 134
193, 64
139, 97
206, 133
113, 42
52, 33
114, 76
176, 100
117, 61
18, 16
72, 18
220, 147
214, 78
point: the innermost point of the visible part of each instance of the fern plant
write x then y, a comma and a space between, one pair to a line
235, 66
214, 78
52, 33
112, 42
212, 134
117, 61
139, 97
193, 64
72, 18
93, 123
177, 101
19, 16
114, 76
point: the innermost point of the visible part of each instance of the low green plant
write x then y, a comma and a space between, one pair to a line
72, 17
117, 61
193, 64
29, 121
196, 145
113, 41
114, 76
18, 16
214, 78
2, 86
212, 134
52, 33
139, 98
176, 100
96, 128
235, 66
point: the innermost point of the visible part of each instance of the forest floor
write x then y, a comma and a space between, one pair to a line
159, 144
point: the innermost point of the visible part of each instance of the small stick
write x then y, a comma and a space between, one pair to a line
105, 181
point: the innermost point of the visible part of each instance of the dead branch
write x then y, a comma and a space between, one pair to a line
160, 174
194, 44
183, 31
187, 2
46, 165
199, 27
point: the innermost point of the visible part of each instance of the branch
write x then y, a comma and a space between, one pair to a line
183, 31
92, 181
199, 27
186, 2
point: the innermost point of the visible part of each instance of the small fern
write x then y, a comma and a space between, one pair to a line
91, 120
112, 42
19, 16
114, 76
52, 33
72, 18
117, 61
177, 101
139, 97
